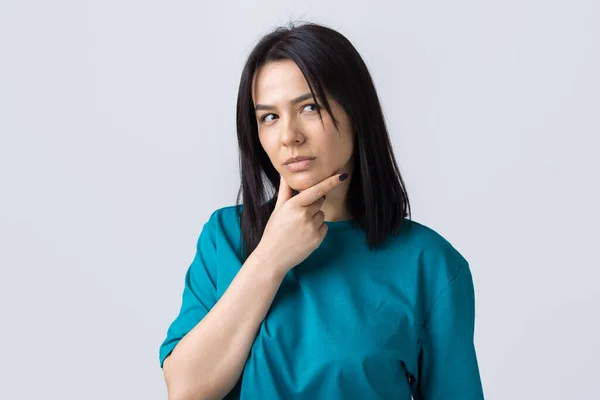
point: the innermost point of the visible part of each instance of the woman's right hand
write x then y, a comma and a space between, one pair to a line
295, 228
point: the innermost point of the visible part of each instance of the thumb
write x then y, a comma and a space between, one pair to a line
284, 194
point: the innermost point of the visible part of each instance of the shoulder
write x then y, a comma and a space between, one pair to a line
435, 265
422, 238
226, 217
435, 253
223, 228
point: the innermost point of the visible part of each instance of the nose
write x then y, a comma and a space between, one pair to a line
291, 132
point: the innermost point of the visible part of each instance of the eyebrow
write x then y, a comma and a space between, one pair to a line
293, 101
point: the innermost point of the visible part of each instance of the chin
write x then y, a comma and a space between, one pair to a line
300, 184
300, 181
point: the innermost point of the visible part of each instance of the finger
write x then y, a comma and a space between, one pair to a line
284, 193
319, 217
313, 193
316, 206
323, 231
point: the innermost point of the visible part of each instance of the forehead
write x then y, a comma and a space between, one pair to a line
278, 82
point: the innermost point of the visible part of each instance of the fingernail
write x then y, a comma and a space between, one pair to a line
343, 176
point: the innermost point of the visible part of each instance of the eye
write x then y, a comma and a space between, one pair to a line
316, 107
264, 118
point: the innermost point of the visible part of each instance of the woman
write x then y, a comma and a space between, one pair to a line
325, 289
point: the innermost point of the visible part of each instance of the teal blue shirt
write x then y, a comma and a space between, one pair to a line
347, 322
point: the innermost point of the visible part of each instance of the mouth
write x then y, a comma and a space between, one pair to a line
300, 165
297, 158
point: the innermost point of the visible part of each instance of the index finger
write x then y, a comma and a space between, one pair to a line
315, 192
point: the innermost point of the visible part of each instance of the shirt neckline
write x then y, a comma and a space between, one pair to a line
343, 224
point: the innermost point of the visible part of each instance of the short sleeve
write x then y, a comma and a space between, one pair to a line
447, 361
199, 291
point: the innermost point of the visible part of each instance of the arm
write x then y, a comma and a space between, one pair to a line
448, 367
207, 345
209, 360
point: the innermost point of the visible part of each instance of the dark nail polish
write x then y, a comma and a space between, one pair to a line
343, 176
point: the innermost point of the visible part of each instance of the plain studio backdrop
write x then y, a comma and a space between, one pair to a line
117, 122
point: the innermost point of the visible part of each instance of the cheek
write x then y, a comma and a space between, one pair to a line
344, 146
270, 147
266, 144
339, 142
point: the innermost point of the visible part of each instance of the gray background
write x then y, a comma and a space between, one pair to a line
117, 123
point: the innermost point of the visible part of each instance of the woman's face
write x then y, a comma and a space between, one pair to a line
289, 125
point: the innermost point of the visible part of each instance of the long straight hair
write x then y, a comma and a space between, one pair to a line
377, 197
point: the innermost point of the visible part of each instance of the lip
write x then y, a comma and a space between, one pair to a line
297, 158
300, 165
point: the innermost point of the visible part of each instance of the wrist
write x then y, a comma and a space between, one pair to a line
267, 263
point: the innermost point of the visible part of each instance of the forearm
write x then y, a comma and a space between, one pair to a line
209, 360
